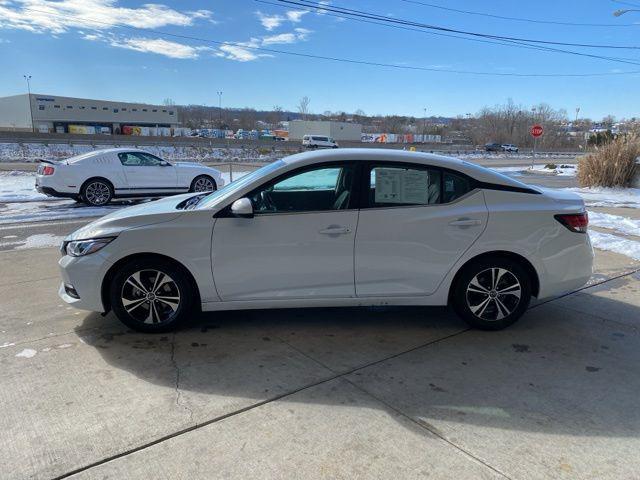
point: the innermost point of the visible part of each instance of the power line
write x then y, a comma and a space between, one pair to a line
507, 43
360, 13
516, 19
339, 59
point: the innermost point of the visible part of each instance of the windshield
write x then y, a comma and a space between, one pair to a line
228, 190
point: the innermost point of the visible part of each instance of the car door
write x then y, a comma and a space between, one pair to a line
299, 244
147, 173
416, 222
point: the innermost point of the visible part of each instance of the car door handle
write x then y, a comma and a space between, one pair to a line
334, 230
465, 222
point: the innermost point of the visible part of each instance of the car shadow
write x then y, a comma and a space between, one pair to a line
556, 371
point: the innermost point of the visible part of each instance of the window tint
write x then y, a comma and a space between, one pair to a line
323, 188
130, 159
396, 186
139, 159
454, 186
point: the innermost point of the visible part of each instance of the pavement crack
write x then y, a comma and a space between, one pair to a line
178, 391
211, 421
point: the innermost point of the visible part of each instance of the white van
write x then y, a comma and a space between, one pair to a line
318, 141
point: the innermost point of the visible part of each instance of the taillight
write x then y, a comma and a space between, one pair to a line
48, 170
576, 222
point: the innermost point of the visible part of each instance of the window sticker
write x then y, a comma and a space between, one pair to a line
394, 185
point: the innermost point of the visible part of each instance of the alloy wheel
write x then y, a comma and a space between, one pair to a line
203, 185
150, 296
97, 193
493, 294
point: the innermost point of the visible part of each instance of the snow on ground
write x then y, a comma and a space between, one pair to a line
563, 170
624, 225
609, 197
34, 211
41, 240
32, 152
19, 187
616, 244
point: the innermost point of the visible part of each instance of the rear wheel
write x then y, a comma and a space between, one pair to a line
96, 192
492, 293
203, 183
151, 295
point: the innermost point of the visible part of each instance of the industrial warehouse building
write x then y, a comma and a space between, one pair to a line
336, 130
50, 113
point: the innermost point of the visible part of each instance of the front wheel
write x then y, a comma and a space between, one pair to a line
151, 295
203, 183
492, 293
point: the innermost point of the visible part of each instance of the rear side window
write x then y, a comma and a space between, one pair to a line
392, 186
454, 186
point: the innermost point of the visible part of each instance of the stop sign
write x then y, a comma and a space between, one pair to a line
537, 131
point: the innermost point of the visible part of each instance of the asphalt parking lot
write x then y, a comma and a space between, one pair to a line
325, 393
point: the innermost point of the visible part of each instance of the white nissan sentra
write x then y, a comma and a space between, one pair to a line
98, 176
348, 227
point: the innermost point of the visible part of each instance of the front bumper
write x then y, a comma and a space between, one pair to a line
85, 275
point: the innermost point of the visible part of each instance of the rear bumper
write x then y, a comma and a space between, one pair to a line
52, 192
568, 270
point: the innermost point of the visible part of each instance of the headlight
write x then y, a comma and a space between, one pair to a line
79, 248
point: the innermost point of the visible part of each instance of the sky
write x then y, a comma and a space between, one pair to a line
135, 51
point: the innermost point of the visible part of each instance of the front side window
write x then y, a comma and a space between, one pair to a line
393, 186
318, 189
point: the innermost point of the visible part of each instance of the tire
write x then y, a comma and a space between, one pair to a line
203, 183
476, 296
96, 192
136, 303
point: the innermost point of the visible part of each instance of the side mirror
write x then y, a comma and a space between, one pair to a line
242, 208
165, 164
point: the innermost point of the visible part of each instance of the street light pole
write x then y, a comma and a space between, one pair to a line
220, 108
28, 79
424, 123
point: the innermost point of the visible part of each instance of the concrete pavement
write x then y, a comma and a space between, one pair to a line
322, 393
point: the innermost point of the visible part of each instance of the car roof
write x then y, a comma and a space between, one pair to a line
477, 172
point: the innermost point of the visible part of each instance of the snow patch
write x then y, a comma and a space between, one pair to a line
620, 224
613, 243
41, 240
609, 197
27, 353
562, 170
7, 344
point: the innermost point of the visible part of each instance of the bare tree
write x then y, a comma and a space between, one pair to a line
168, 102
303, 107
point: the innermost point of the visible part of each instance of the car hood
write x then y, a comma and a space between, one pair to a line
147, 213
192, 165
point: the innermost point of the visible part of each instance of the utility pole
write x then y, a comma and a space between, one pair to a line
28, 79
220, 108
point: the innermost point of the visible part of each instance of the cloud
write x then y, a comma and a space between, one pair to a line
299, 34
296, 15
56, 17
159, 46
271, 22
241, 51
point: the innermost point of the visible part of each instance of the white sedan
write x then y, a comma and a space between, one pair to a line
349, 227
101, 175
